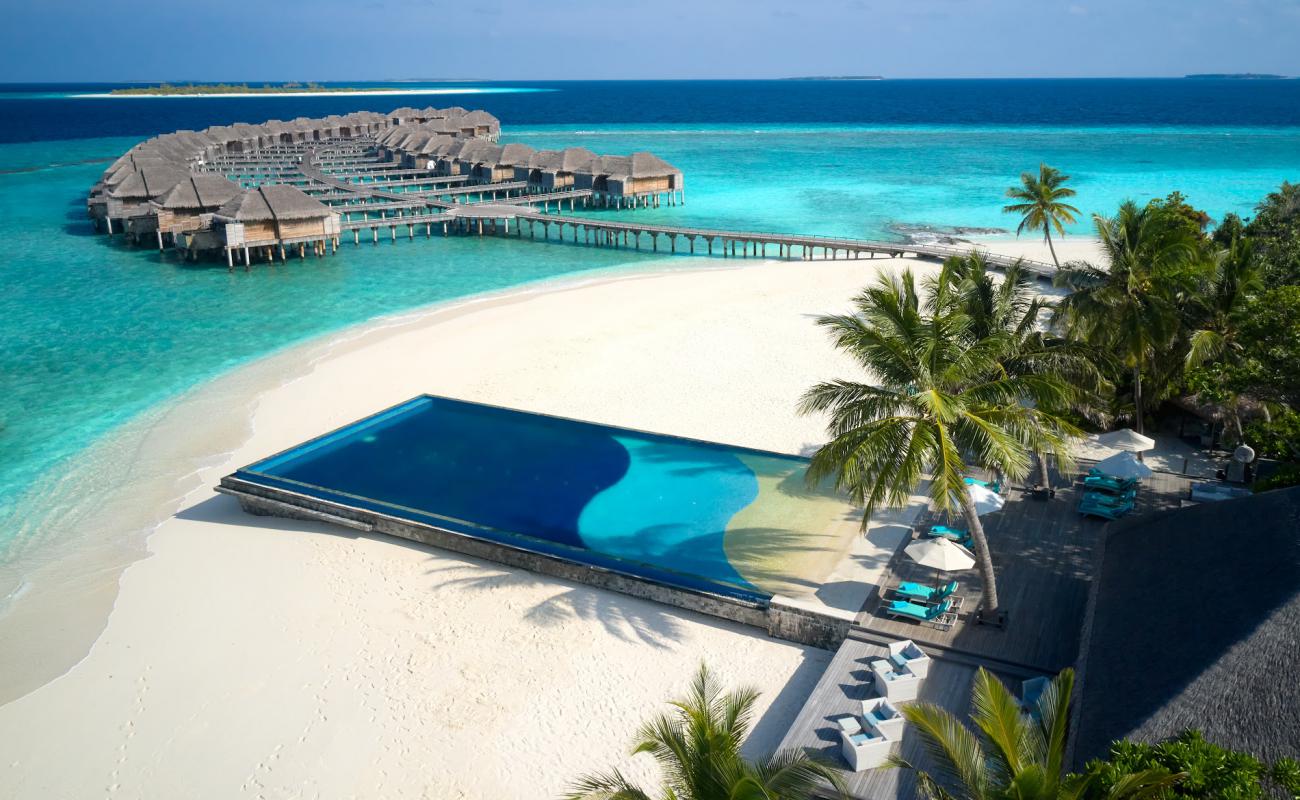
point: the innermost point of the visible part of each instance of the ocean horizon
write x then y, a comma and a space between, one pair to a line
96, 333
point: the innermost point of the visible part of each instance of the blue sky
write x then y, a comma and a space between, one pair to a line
117, 40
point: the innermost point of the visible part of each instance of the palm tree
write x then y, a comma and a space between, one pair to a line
697, 746
1010, 754
1131, 307
1013, 305
1039, 202
937, 401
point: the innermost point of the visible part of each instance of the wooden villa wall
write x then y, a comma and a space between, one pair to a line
302, 227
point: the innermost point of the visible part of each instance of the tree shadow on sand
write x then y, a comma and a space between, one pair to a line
627, 618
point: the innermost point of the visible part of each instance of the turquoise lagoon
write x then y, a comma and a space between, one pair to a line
94, 333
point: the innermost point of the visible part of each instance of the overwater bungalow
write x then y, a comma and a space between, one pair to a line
638, 179
266, 218
182, 209
554, 170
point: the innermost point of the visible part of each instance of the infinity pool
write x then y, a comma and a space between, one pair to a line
687, 513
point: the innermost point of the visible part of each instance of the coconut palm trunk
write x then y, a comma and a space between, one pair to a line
983, 557
1047, 234
1137, 397
1044, 476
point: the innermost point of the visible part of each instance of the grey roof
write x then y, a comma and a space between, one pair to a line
277, 201
200, 192
149, 182
515, 155
1195, 623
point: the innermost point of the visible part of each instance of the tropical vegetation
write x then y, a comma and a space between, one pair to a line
1040, 202
948, 384
1208, 770
1016, 753
697, 745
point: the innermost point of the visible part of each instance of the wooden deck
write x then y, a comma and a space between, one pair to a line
1044, 553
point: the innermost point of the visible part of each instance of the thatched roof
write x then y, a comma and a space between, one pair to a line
149, 183
649, 165
200, 192
1195, 623
274, 202
515, 155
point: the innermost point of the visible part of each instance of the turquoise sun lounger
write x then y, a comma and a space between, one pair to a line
939, 616
957, 535
920, 593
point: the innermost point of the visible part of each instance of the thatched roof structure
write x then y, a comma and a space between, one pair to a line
1195, 623
149, 183
200, 193
273, 202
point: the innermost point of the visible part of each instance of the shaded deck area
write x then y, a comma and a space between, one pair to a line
1045, 555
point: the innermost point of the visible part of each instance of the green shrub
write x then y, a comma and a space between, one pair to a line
1210, 772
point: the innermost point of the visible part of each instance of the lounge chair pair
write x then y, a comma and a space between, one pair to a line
925, 595
957, 535
939, 616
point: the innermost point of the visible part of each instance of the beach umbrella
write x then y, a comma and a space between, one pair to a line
1123, 465
1126, 439
986, 500
943, 555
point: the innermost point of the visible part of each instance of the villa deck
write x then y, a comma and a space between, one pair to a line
1045, 554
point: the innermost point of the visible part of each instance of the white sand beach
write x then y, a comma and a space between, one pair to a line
269, 658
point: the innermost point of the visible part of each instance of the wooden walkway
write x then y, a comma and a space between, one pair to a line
1045, 556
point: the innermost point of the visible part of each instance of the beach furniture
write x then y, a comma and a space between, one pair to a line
906, 654
897, 684
864, 749
992, 486
920, 593
882, 715
1111, 498
957, 535
1092, 506
1097, 480
939, 616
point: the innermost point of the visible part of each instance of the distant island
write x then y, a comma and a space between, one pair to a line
292, 87
1237, 76
836, 78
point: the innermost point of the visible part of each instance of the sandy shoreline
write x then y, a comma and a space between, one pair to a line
276, 658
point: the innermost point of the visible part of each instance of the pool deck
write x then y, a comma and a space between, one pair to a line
1045, 554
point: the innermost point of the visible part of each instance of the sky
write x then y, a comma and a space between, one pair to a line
518, 40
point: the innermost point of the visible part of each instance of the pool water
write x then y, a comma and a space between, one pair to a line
685, 512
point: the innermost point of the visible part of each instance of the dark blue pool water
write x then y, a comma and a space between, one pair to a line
655, 506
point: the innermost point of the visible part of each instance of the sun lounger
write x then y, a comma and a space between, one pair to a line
1111, 499
957, 535
939, 616
920, 593
993, 486
1097, 480
1090, 507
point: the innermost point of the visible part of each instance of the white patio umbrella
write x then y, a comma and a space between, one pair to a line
986, 500
941, 554
1123, 465
1126, 439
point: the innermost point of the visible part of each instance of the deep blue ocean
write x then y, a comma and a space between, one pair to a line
93, 332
